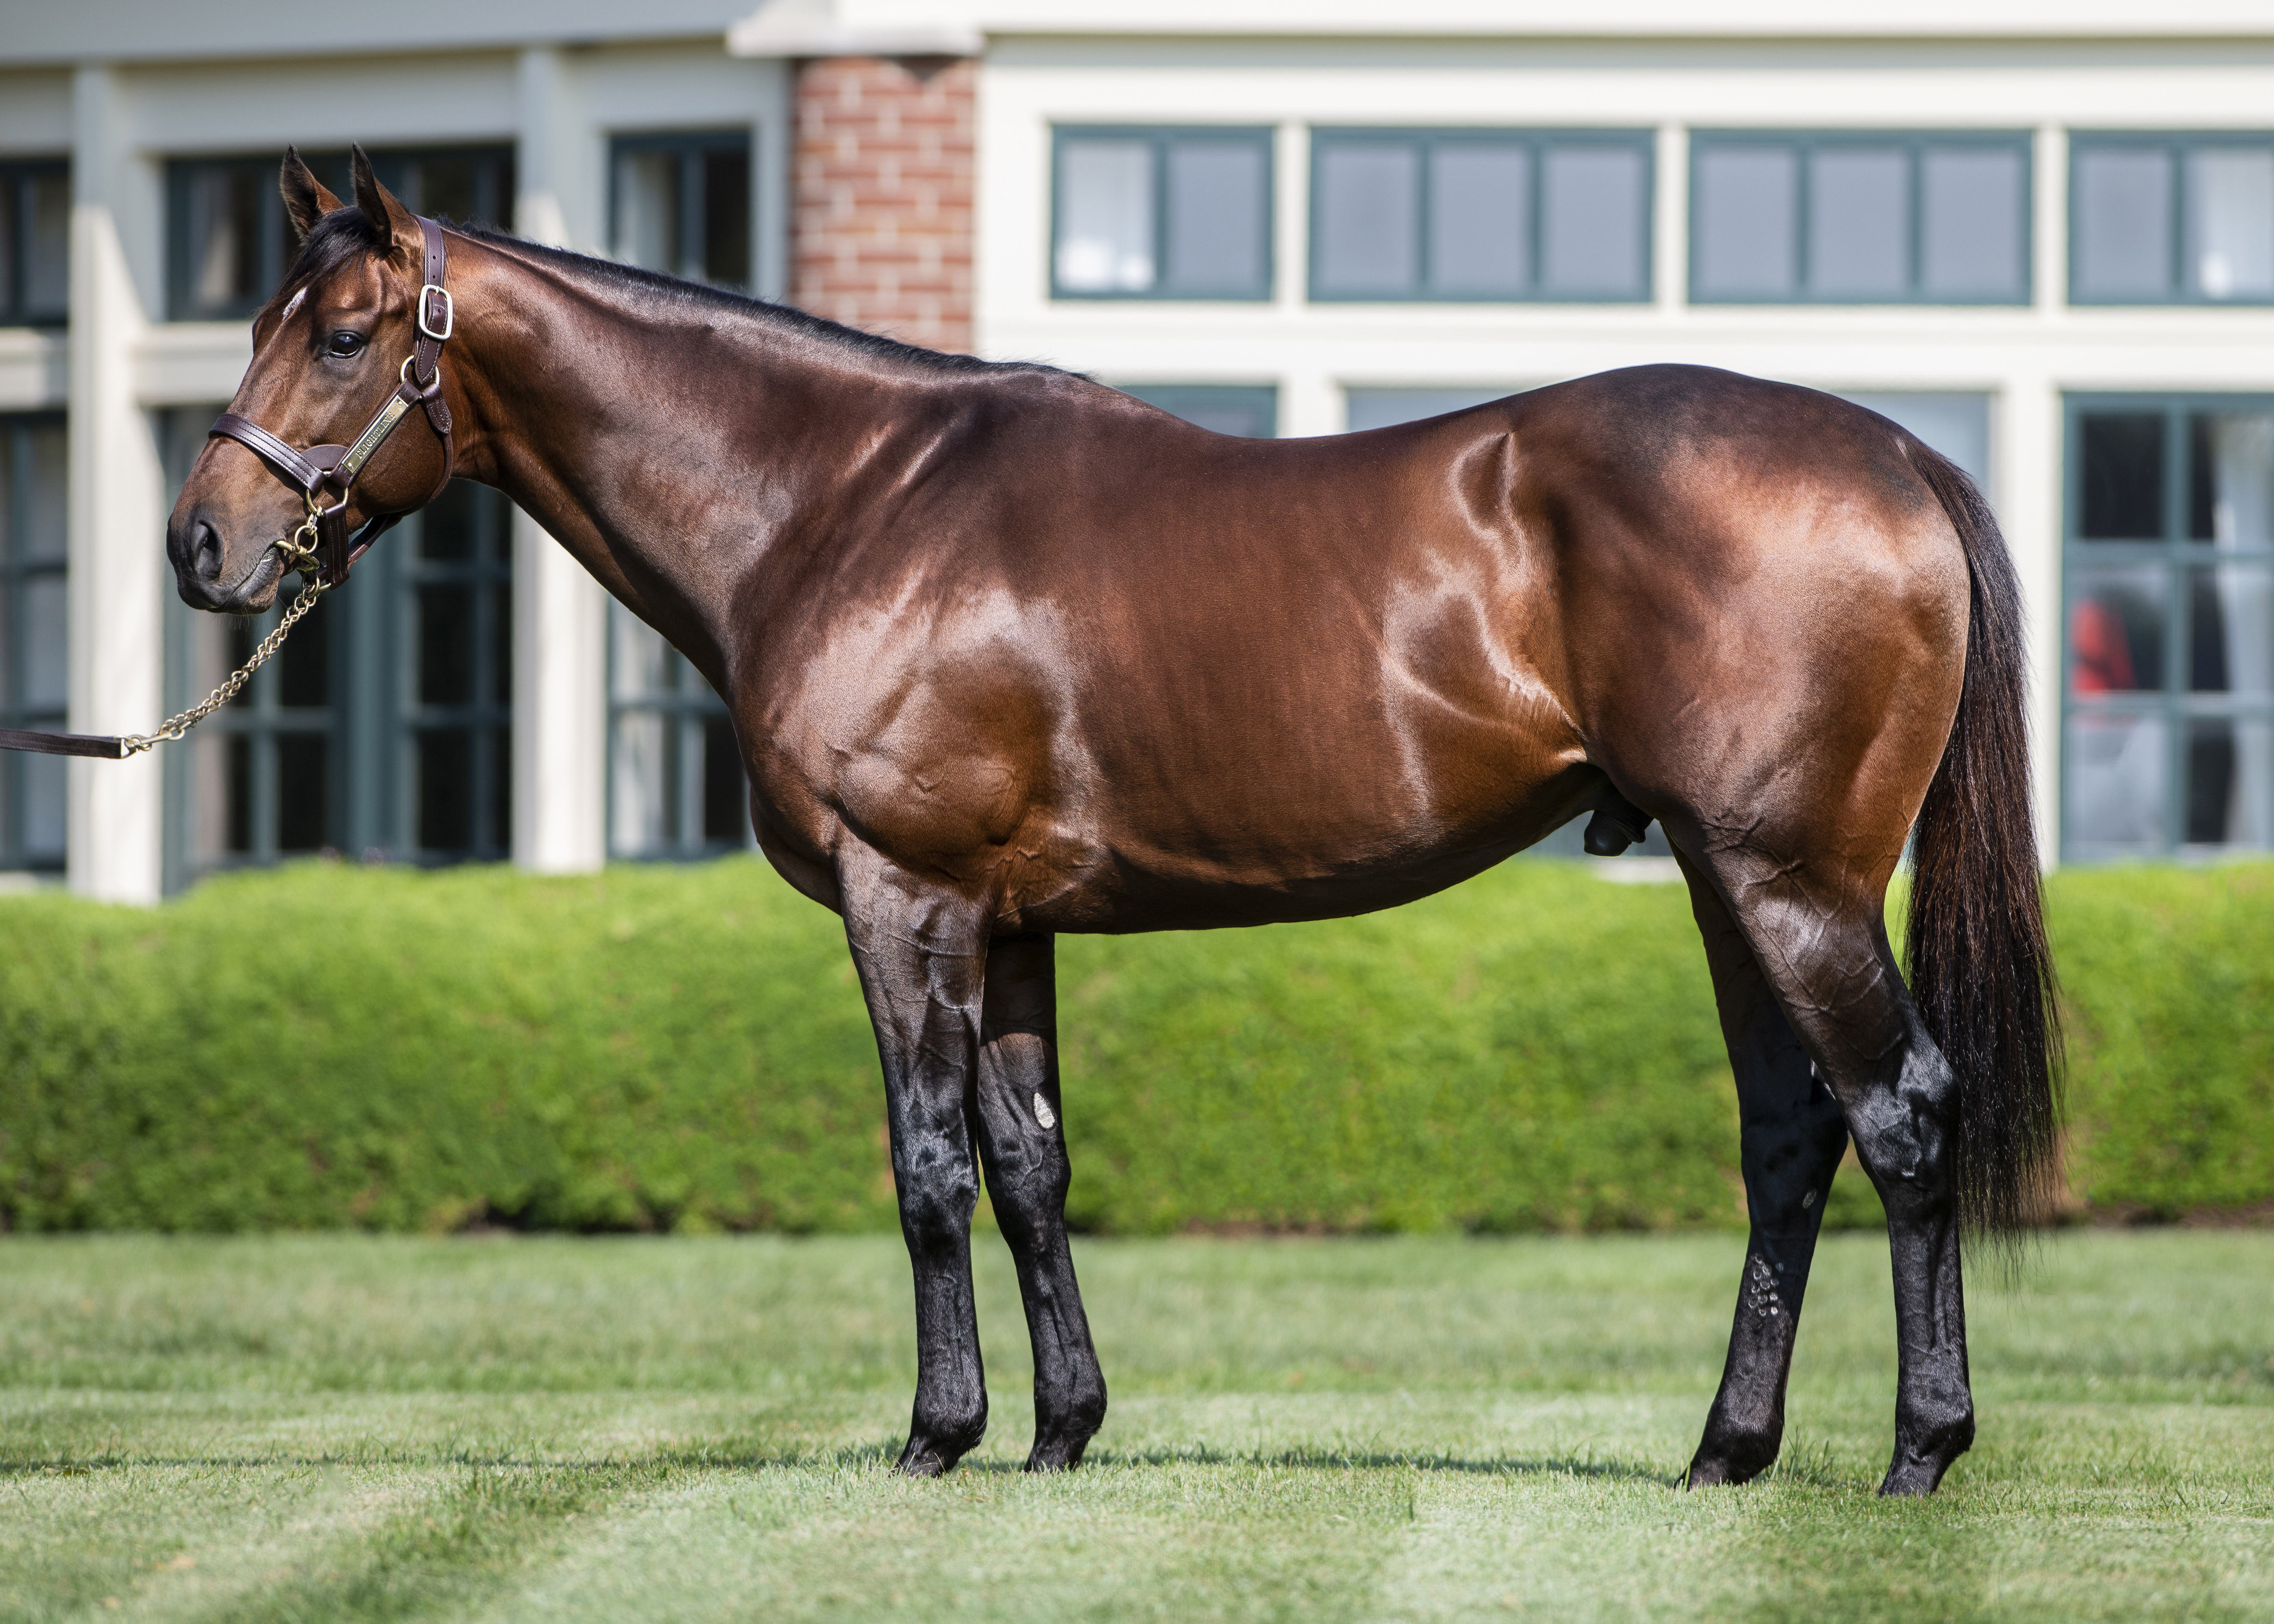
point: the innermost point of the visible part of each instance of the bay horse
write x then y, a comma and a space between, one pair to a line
1010, 654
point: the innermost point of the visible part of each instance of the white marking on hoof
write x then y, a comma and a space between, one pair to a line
1808, 1200
1043, 1112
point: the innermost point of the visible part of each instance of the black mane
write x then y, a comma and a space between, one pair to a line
344, 233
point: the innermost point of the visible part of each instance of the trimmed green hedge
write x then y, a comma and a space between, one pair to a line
685, 1047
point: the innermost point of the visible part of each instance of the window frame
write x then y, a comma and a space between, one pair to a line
2175, 145
14, 197
1914, 143
2176, 554
1158, 138
16, 431
682, 143
1176, 399
390, 164
1534, 139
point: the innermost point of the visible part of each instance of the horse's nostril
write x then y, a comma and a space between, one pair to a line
205, 552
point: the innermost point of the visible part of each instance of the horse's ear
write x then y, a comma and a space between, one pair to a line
306, 198
395, 224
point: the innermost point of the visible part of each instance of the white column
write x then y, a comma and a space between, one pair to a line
2026, 446
559, 613
117, 519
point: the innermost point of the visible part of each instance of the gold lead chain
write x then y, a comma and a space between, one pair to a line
175, 727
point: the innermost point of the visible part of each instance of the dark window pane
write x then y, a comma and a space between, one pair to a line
2210, 780
2123, 475
726, 216
447, 523
1972, 222
2123, 233
1369, 218
1593, 203
2231, 222
1859, 235
445, 188
500, 819
445, 646
237, 639
11, 208
225, 260
1215, 217
445, 790
1747, 214
725, 804
500, 641
303, 665
237, 768
302, 814
1480, 220
46, 245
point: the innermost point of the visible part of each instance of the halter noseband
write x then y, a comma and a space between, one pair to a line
330, 471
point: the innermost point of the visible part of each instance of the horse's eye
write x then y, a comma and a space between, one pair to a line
345, 343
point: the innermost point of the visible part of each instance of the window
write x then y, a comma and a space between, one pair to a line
227, 242
33, 671
1162, 213
456, 581
1378, 409
1956, 424
682, 205
382, 728
34, 243
2168, 741
1477, 214
1250, 412
675, 781
2170, 219
1860, 217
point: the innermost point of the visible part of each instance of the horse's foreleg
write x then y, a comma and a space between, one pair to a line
1824, 951
922, 955
1022, 1144
1794, 1134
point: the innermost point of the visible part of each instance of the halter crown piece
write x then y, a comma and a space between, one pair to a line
325, 473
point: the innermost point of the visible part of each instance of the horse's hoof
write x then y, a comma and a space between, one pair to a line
1056, 1454
921, 1460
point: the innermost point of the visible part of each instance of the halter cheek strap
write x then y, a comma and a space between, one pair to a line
330, 471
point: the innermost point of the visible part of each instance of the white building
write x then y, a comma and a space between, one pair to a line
2043, 237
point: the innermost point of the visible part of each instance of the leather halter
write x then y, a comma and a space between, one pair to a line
330, 471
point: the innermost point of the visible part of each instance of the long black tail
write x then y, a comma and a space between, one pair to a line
1980, 969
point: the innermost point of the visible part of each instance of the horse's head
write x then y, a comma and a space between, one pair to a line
327, 350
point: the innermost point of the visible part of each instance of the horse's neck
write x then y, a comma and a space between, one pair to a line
630, 437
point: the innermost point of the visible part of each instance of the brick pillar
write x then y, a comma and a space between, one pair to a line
881, 232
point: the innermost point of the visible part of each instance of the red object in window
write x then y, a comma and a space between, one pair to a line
2100, 653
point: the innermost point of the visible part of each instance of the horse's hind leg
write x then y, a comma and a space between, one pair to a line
922, 955
1819, 934
1022, 1146
1793, 1136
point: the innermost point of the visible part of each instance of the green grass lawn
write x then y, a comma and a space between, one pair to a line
333, 1427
